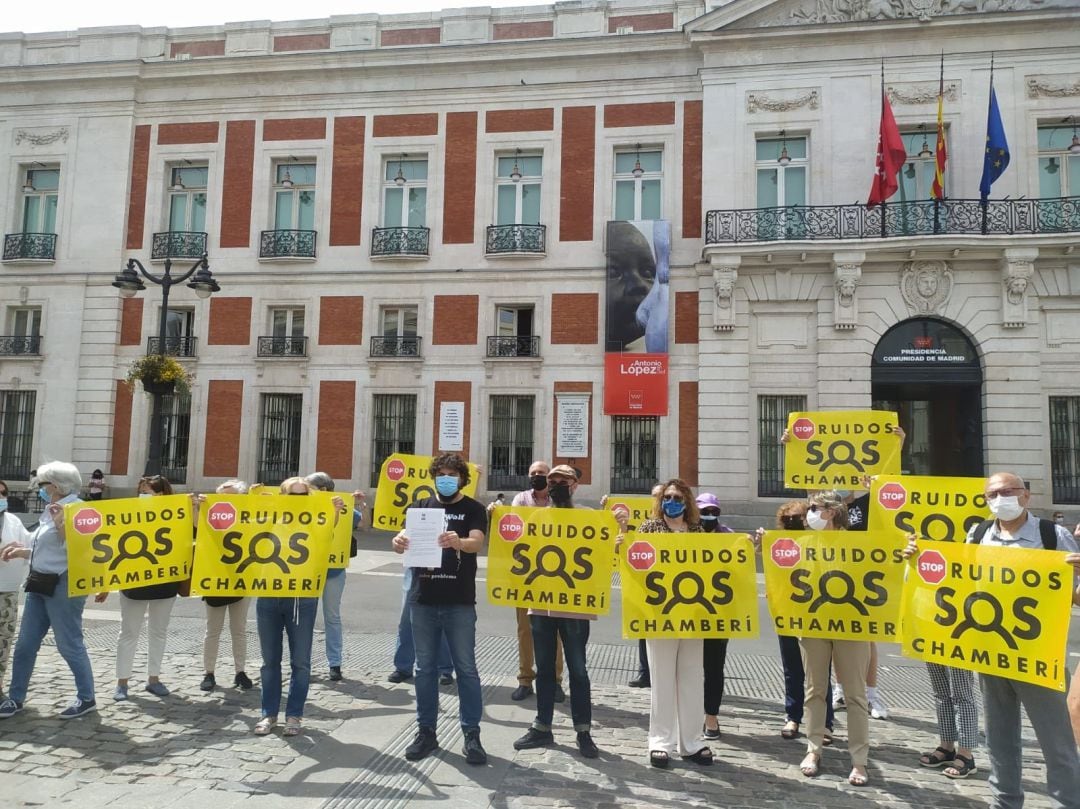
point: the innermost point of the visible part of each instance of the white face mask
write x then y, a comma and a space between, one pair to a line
815, 521
1005, 508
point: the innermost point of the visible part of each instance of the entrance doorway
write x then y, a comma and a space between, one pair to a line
928, 371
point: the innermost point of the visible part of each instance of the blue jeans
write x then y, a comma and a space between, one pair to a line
795, 682
404, 651
331, 603
64, 615
575, 635
296, 618
456, 623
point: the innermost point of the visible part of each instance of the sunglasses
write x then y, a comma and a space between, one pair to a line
710, 512
816, 508
792, 522
674, 498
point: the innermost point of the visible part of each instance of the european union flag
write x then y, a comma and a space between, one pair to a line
996, 159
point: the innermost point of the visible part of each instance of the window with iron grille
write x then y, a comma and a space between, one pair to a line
633, 453
16, 432
175, 429
393, 428
1065, 448
511, 438
772, 419
279, 437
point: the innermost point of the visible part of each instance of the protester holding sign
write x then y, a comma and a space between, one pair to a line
714, 650
12, 574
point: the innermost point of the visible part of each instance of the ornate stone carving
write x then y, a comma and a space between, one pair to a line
1017, 269
847, 270
834, 11
759, 101
40, 137
926, 286
1053, 87
725, 274
925, 92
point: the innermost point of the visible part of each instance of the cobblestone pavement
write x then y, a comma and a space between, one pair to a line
192, 749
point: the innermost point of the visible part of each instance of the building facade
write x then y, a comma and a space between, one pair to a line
409, 211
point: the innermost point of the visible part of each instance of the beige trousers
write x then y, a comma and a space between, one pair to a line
850, 660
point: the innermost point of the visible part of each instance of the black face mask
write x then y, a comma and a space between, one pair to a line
538, 482
560, 493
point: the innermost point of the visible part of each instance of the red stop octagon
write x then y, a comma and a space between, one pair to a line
785, 552
892, 496
221, 516
87, 520
511, 527
641, 555
931, 567
803, 429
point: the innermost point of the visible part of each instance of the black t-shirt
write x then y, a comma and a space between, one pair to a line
455, 581
859, 513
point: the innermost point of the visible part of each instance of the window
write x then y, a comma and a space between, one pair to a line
294, 196
781, 184
917, 175
279, 437
1065, 448
187, 198
287, 322
517, 184
16, 433
513, 333
405, 193
772, 420
175, 429
638, 177
398, 321
633, 453
24, 331
179, 334
393, 428
1059, 167
41, 193
511, 442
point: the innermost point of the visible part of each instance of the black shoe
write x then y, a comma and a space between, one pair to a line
586, 745
397, 676
474, 751
710, 733
641, 681
207, 683
534, 738
560, 695
521, 692
446, 679
423, 744
335, 673
242, 681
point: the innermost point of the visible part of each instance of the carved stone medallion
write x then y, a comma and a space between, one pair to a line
926, 286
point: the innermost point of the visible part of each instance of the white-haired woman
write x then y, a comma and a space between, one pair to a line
48, 604
12, 573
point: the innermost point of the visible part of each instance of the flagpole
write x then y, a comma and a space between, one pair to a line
882, 116
940, 134
989, 103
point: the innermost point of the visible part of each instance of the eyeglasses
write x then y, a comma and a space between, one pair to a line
1017, 491
674, 498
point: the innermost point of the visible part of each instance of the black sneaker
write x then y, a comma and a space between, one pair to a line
77, 708
586, 745
521, 692
423, 744
397, 676
208, 682
474, 751
242, 681
335, 673
560, 695
446, 679
641, 681
534, 738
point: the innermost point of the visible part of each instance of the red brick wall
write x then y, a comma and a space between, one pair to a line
230, 321
341, 320
689, 431
691, 168
577, 174
131, 311
236, 193
200, 132
538, 120
347, 182
302, 42
523, 30
121, 432
575, 318
456, 319
140, 163
224, 414
334, 444
584, 464
660, 113
642, 22
406, 126
294, 129
453, 392
411, 36
686, 317
207, 47
459, 191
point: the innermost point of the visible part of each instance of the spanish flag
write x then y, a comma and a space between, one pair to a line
937, 190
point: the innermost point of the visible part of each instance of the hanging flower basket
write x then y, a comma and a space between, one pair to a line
158, 387
159, 374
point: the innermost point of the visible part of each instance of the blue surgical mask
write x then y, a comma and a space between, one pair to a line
146, 494
447, 485
43, 495
709, 518
673, 508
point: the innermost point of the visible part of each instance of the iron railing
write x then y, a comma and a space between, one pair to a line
178, 244
287, 244
18, 345
503, 346
511, 239
772, 419
36, 246
393, 424
634, 454
395, 346
282, 347
174, 346
403, 242
894, 219
1065, 448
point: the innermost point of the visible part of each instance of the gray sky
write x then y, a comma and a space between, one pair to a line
67, 15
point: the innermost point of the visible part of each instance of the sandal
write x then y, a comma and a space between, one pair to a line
265, 725
292, 726
704, 757
810, 765
826, 739
790, 729
966, 767
858, 779
658, 758
938, 757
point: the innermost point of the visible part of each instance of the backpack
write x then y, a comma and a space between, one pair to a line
1047, 532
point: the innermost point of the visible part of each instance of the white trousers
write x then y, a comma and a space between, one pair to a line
215, 620
678, 681
132, 613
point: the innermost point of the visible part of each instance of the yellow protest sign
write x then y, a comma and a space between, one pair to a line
833, 449
131, 542
404, 481
551, 558
1001, 611
689, 586
263, 545
932, 507
637, 509
342, 541
838, 585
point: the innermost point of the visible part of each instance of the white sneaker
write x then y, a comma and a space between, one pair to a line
838, 697
878, 708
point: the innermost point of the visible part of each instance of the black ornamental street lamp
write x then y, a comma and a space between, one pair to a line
129, 283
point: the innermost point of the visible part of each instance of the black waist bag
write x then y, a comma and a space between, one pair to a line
41, 583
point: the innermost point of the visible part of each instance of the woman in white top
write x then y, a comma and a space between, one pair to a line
12, 574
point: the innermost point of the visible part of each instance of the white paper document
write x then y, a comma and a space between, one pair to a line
13, 574
422, 527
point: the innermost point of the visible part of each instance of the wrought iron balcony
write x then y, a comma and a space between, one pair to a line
30, 247
282, 347
516, 240
287, 244
395, 347
399, 242
503, 346
174, 346
20, 346
963, 217
178, 244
